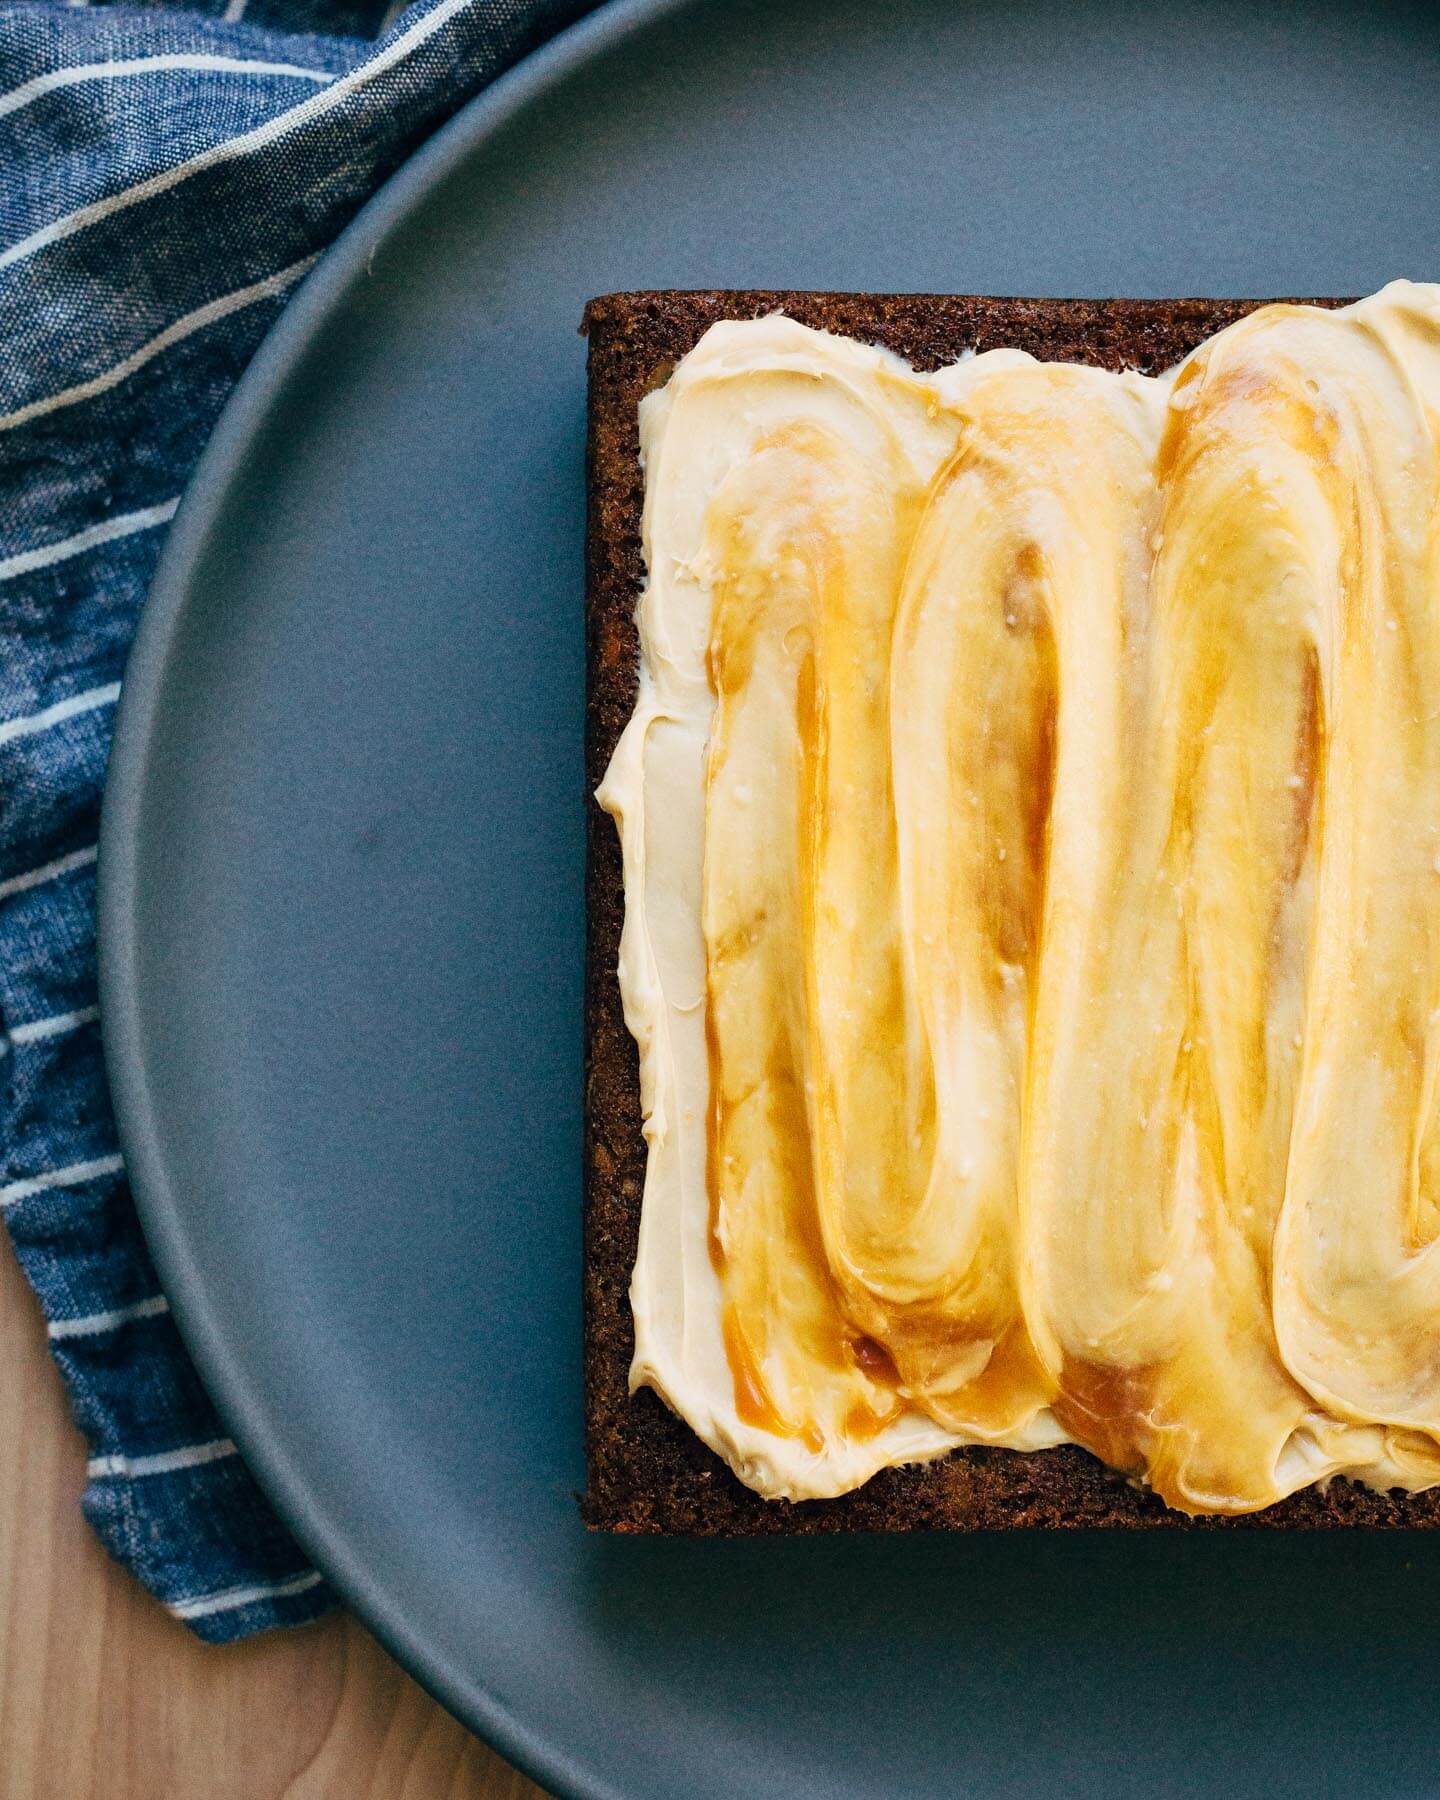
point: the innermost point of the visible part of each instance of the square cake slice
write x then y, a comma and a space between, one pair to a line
647, 1471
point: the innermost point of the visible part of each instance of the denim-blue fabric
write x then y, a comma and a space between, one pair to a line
167, 178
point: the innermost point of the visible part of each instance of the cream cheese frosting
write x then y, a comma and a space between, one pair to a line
1031, 831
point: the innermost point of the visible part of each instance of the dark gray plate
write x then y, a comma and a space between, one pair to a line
341, 892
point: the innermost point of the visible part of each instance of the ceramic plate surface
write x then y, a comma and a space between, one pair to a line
341, 888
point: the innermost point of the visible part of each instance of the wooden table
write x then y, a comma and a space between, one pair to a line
104, 1697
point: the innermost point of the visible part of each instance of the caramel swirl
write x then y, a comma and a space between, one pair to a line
1031, 820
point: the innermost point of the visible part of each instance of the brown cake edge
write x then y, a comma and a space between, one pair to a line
647, 1472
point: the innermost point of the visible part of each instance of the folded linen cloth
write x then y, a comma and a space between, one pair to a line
167, 178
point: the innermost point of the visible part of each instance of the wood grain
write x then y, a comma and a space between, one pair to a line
102, 1694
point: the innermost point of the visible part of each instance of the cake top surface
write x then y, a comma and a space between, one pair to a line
1069, 773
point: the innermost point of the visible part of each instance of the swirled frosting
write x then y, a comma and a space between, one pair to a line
1031, 824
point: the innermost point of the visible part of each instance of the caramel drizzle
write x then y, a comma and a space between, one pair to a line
1055, 926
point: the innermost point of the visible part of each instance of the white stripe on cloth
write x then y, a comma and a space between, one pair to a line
55, 1026
234, 9
233, 1598
90, 701
289, 120
99, 1468
16, 1191
172, 334
97, 1324
124, 525
51, 871
30, 91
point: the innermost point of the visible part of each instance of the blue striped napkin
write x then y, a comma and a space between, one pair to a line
167, 177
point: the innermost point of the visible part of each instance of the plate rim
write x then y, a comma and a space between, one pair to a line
138, 716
